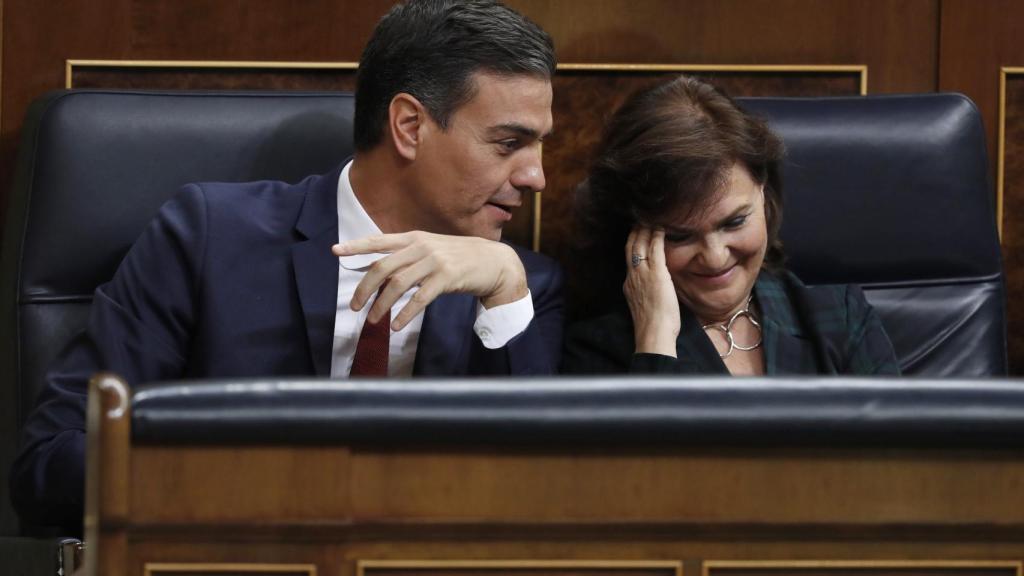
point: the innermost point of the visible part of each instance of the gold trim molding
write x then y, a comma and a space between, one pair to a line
860, 69
156, 568
70, 65
363, 565
710, 565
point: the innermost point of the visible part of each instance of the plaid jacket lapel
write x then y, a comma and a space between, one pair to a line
787, 349
696, 352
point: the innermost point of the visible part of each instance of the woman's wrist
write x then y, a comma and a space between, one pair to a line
656, 341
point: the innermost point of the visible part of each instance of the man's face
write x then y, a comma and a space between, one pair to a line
471, 176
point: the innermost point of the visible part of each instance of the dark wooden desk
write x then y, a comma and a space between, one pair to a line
379, 510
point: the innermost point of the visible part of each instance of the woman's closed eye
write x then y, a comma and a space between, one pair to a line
735, 223
678, 237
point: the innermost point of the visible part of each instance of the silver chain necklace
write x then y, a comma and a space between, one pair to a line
726, 328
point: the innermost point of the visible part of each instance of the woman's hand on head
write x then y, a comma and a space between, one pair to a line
650, 293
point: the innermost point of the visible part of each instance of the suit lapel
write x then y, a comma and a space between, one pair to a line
785, 346
316, 269
445, 337
704, 359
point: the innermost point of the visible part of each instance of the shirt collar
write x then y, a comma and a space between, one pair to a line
353, 223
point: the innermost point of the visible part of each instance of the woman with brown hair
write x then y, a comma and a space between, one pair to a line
687, 185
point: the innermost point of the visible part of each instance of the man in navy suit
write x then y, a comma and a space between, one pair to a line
389, 265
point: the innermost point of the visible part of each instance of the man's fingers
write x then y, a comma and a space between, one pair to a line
380, 272
398, 284
428, 291
370, 284
489, 270
382, 243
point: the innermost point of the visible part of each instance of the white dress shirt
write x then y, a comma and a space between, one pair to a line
495, 327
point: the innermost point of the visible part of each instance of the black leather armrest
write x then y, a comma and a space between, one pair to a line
599, 412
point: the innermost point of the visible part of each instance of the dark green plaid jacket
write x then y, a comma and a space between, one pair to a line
806, 330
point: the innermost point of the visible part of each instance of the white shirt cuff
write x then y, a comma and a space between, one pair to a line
495, 327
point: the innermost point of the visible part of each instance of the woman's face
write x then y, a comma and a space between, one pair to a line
715, 256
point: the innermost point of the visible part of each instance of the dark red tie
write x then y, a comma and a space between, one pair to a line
371, 357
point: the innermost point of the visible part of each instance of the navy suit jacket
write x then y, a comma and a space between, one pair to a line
238, 280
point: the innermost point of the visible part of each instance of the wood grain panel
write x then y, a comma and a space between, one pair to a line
472, 509
515, 571
516, 568
46, 34
222, 569
195, 77
201, 484
977, 39
107, 474
340, 555
236, 552
863, 567
538, 571
700, 488
1012, 215
895, 38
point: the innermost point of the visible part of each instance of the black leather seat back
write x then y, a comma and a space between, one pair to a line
893, 193
95, 166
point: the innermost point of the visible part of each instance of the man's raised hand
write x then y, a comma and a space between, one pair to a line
437, 264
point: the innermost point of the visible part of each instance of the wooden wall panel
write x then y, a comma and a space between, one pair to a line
40, 36
518, 568
860, 568
227, 78
895, 38
228, 569
1012, 200
557, 511
977, 39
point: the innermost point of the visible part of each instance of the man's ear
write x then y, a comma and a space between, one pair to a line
406, 120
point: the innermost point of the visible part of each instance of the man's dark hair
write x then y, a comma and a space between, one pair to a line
431, 49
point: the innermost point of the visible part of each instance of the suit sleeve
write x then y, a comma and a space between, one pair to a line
870, 351
538, 350
139, 327
591, 349
595, 347
605, 345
